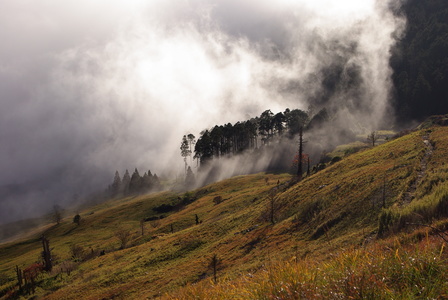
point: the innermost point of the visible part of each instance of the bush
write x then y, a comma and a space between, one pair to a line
77, 219
77, 252
335, 159
164, 208
217, 199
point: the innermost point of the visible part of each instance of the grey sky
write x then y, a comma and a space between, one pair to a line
90, 87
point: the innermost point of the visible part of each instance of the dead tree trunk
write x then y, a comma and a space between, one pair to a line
308, 170
272, 207
142, 226
384, 191
300, 162
19, 277
214, 265
46, 254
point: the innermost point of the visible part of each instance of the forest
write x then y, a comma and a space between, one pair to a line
420, 62
228, 139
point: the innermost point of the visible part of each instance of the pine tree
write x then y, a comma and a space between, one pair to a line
116, 184
135, 184
125, 182
156, 182
145, 182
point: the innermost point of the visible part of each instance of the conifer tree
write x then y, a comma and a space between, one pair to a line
135, 184
116, 184
125, 182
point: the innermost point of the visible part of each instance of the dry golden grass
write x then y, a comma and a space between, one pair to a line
320, 223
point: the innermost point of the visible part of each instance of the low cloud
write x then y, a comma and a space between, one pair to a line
88, 89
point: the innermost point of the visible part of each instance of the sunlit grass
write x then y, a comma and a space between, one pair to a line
300, 256
382, 271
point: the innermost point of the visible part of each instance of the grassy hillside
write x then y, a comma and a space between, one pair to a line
341, 218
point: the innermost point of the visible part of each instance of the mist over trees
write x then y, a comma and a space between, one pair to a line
228, 140
287, 141
133, 185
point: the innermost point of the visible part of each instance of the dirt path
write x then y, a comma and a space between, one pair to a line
410, 193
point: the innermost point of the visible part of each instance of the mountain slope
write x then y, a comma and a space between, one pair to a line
336, 208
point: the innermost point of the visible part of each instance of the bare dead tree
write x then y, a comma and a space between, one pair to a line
214, 264
272, 194
300, 162
372, 138
57, 214
123, 236
19, 277
384, 191
308, 167
142, 225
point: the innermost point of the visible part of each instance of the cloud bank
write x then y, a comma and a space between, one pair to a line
90, 88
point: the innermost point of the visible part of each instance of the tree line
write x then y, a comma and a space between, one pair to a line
228, 139
135, 184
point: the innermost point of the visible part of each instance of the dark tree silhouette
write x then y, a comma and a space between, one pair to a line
372, 138
295, 119
300, 158
125, 182
278, 123
116, 184
135, 185
191, 141
214, 265
185, 150
266, 126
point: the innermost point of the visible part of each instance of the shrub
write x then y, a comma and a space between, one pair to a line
164, 208
77, 219
77, 252
217, 199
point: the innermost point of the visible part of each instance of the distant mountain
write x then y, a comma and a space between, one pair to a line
420, 61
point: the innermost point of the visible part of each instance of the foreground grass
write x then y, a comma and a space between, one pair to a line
381, 271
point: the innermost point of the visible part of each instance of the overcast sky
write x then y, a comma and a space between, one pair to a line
90, 87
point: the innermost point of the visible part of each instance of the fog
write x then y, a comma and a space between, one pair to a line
90, 88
